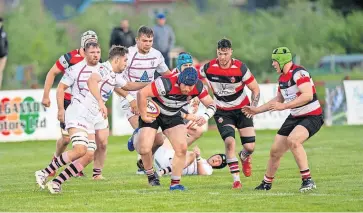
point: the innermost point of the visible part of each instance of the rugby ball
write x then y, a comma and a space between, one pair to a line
152, 108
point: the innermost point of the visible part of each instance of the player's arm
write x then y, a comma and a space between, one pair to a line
190, 157
134, 86
208, 102
250, 81
49, 80
251, 110
142, 96
125, 94
60, 100
305, 88
162, 68
92, 84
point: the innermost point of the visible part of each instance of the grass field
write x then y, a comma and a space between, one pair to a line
335, 156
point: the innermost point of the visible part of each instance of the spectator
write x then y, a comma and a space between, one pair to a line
164, 38
122, 35
3, 50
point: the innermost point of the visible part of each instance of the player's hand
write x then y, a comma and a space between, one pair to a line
195, 105
46, 101
196, 150
201, 120
249, 111
134, 108
277, 106
147, 119
103, 109
61, 115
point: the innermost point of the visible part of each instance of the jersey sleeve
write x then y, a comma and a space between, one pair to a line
63, 62
68, 79
161, 66
203, 70
301, 76
247, 76
120, 80
161, 87
202, 90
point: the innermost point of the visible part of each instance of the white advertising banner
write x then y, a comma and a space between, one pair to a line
354, 96
23, 117
120, 124
268, 120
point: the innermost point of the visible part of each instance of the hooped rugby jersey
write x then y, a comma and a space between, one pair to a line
68, 60
141, 67
288, 87
169, 97
228, 84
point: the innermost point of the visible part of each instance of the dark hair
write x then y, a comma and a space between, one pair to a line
91, 44
117, 50
144, 30
1, 19
224, 44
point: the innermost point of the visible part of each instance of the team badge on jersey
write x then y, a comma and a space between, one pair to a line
233, 80
220, 120
144, 77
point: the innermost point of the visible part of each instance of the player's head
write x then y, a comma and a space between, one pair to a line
88, 36
224, 51
92, 53
217, 161
184, 60
187, 80
280, 57
118, 58
144, 39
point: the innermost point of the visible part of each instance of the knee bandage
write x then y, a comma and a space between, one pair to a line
245, 140
227, 131
80, 138
91, 145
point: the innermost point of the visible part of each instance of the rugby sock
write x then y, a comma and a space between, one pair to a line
233, 168
244, 154
57, 163
175, 180
72, 170
96, 172
305, 174
167, 170
268, 179
150, 173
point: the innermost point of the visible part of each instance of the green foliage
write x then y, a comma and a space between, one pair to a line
34, 38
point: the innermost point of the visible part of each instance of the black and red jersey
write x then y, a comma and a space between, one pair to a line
169, 97
288, 87
228, 84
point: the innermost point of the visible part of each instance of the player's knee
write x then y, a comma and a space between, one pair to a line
293, 142
181, 149
80, 143
248, 143
227, 133
230, 143
66, 139
275, 154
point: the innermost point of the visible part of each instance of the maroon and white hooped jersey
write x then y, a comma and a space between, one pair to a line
228, 84
141, 67
76, 78
288, 87
169, 97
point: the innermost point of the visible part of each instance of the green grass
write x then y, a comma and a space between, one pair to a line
335, 157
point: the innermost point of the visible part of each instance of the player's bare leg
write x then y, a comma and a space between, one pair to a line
295, 142
79, 140
73, 169
60, 147
248, 141
176, 136
146, 137
232, 161
194, 133
278, 149
100, 153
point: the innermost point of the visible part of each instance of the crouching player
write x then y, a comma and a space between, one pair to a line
171, 94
